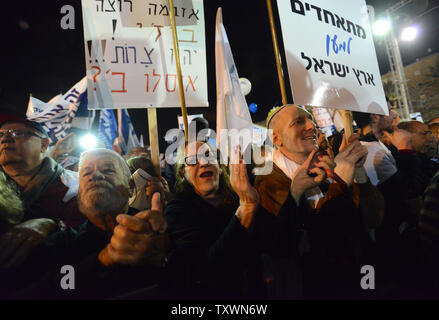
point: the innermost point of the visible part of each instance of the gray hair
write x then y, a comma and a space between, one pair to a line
109, 153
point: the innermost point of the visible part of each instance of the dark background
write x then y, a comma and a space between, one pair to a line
41, 58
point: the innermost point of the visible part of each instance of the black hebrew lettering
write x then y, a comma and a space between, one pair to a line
330, 65
112, 6
135, 54
326, 13
319, 12
338, 68
350, 24
183, 9
298, 10
193, 13
364, 75
329, 17
370, 79
176, 12
309, 61
117, 54
189, 54
357, 74
102, 6
340, 22
360, 28
318, 64
155, 8
162, 8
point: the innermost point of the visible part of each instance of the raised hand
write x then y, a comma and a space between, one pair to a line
138, 239
17, 243
64, 147
240, 182
350, 157
301, 181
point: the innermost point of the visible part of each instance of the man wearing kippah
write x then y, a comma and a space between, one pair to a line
312, 214
47, 190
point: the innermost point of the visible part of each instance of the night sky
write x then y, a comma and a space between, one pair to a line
41, 58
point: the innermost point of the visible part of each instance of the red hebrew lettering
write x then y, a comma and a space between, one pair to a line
159, 32
175, 82
123, 90
156, 75
193, 36
147, 82
191, 83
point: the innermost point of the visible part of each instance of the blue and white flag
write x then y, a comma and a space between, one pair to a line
126, 130
56, 116
107, 131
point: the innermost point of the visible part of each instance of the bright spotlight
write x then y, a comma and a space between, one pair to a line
88, 141
409, 33
381, 27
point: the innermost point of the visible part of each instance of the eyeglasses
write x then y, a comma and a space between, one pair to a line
18, 133
208, 157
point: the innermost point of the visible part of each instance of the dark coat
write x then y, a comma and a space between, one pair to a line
325, 244
211, 249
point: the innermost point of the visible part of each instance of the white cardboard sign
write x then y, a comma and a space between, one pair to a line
130, 57
331, 55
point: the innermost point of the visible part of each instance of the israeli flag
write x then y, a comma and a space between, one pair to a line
107, 131
130, 139
56, 116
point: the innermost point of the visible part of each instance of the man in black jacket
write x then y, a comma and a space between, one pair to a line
115, 251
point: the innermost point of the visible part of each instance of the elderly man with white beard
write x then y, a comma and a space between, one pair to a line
117, 250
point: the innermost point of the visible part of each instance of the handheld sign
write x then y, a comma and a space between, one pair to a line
331, 55
130, 58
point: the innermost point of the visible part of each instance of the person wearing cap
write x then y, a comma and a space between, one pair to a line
47, 190
313, 216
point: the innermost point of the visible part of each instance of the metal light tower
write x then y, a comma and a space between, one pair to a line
396, 65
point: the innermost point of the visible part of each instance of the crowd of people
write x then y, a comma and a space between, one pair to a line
203, 230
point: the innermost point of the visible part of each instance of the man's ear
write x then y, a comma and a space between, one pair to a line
132, 185
374, 118
277, 139
44, 145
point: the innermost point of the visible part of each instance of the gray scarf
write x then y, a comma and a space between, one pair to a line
49, 171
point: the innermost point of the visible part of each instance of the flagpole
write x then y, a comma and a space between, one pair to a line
277, 54
154, 139
347, 123
179, 76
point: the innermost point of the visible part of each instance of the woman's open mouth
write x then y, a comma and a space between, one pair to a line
206, 174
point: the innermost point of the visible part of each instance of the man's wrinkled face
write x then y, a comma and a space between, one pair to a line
103, 188
294, 131
423, 140
21, 149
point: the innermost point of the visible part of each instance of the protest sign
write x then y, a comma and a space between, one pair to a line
331, 55
130, 59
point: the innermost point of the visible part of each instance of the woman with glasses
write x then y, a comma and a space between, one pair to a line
209, 223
